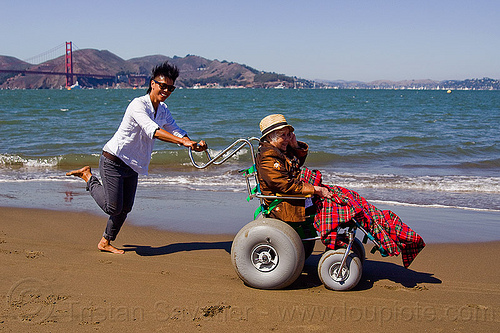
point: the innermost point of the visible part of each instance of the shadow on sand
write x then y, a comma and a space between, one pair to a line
144, 250
373, 270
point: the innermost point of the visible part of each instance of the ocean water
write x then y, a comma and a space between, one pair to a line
398, 147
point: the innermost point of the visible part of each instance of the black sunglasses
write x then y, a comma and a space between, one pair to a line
164, 86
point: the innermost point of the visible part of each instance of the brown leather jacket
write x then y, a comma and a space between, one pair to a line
278, 172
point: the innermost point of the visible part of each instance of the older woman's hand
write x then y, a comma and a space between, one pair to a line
323, 192
293, 141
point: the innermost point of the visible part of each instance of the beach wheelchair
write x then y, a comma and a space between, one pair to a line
269, 254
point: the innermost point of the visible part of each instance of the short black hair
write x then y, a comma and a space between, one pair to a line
166, 70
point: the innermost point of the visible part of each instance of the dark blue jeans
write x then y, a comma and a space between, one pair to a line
115, 195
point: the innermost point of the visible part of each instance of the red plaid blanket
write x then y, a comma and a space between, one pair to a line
394, 236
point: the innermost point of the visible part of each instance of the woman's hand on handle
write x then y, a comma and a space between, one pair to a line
196, 146
200, 146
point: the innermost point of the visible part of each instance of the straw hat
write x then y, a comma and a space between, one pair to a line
273, 122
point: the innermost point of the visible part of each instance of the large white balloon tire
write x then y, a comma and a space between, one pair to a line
328, 268
267, 254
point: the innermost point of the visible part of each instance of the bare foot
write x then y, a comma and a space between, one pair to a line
105, 245
84, 173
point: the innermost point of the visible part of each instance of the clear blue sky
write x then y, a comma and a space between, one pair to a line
348, 40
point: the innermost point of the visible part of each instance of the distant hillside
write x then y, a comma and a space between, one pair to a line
194, 71
11, 63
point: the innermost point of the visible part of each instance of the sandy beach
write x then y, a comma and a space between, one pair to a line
53, 279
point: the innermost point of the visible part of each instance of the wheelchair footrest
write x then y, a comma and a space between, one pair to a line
383, 253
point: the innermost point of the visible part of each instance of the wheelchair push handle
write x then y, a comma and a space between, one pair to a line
190, 151
220, 157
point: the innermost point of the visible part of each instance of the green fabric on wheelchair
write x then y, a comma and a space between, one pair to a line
265, 211
256, 189
250, 170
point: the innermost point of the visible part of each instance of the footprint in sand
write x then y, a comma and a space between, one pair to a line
416, 288
107, 262
33, 254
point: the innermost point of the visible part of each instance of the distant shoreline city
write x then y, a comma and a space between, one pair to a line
469, 84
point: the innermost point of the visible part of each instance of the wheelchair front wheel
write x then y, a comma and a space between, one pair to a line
339, 279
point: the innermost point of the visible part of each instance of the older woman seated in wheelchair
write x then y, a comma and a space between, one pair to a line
269, 245
279, 161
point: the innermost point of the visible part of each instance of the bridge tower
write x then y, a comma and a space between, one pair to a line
69, 64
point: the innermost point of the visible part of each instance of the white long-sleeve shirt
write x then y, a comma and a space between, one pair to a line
133, 142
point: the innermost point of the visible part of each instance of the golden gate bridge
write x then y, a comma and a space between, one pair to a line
68, 66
